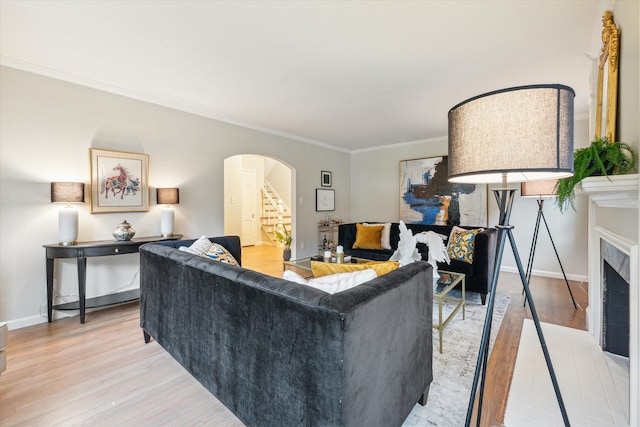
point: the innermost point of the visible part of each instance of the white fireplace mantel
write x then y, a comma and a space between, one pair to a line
618, 191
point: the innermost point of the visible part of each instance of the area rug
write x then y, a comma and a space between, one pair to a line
594, 387
453, 370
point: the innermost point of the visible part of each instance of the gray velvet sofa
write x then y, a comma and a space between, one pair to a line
277, 353
478, 275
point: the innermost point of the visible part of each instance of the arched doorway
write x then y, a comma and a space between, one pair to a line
258, 195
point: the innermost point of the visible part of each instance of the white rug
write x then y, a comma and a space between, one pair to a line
594, 388
453, 369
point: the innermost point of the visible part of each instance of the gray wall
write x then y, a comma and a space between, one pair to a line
46, 129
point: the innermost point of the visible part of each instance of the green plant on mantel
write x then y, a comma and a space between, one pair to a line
284, 237
601, 158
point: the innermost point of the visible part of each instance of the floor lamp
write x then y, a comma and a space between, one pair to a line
511, 135
541, 189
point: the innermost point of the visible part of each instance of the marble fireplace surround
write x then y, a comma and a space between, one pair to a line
619, 192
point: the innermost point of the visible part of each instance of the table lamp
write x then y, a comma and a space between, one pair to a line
517, 134
67, 192
540, 190
168, 197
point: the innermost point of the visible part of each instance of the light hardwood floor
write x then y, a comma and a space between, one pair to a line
102, 374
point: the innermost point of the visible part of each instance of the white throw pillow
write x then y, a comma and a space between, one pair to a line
385, 241
342, 281
199, 247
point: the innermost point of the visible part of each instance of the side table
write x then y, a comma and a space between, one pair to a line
440, 292
83, 250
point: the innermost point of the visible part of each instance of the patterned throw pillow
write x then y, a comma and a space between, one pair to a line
219, 253
213, 251
461, 244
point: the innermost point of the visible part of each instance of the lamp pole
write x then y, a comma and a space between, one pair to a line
504, 198
534, 244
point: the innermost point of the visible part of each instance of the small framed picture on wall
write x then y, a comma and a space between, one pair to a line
325, 178
325, 200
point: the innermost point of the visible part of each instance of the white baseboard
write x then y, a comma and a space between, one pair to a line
25, 321
38, 319
551, 274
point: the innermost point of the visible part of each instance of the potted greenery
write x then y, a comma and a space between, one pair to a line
601, 158
285, 238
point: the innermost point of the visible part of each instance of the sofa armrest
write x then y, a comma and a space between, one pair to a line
484, 258
347, 235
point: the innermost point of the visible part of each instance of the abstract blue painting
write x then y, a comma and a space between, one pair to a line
427, 196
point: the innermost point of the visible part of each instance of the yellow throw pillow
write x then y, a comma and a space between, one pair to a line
320, 268
368, 237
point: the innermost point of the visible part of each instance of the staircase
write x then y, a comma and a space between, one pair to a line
275, 214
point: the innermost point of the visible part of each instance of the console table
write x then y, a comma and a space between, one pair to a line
83, 250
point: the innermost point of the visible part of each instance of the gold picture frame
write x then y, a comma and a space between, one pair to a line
607, 96
119, 181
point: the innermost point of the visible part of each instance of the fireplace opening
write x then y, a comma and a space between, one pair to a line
615, 322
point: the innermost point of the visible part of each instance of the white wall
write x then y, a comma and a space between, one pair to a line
375, 173
46, 129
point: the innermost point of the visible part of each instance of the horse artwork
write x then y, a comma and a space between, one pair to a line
119, 181
122, 183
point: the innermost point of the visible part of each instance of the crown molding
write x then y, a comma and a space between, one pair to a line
157, 99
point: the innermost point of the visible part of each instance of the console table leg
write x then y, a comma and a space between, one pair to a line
82, 285
50, 289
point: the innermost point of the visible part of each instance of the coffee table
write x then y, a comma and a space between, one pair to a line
441, 294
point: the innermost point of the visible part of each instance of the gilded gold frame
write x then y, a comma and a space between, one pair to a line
608, 79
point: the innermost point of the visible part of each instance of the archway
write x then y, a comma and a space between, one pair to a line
258, 194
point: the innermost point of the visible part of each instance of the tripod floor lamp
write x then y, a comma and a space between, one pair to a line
541, 189
517, 134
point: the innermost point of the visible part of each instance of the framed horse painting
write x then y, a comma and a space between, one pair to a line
119, 181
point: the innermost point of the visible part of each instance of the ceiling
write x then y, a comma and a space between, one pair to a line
352, 75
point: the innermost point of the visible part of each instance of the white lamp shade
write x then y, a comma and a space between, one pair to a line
166, 221
67, 225
522, 134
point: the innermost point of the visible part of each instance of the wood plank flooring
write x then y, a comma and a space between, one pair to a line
102, 374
